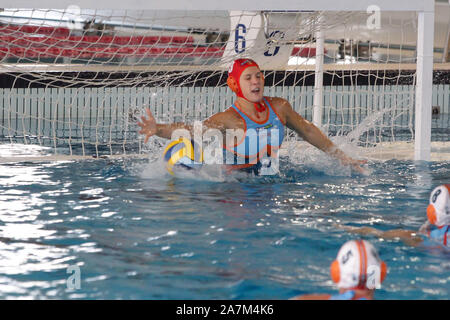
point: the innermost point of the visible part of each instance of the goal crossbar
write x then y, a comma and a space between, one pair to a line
307, 5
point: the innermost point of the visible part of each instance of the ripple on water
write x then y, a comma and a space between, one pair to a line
136, 232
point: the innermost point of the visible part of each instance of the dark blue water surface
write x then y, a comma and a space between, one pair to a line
133, 232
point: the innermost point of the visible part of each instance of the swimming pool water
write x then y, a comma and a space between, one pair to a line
136, 233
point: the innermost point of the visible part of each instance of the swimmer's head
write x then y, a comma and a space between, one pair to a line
438, 211
358, 266
235, 72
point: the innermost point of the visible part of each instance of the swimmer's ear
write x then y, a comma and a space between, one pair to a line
431, 214
232, 83
335, 271
383, 271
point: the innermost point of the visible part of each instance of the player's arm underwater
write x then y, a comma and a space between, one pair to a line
409, 237
310, 133
312, 297
435, 228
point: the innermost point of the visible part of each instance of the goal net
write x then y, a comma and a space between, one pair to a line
74, 82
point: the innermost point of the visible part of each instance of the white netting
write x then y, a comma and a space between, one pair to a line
76, 80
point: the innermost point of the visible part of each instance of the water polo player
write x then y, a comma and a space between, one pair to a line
250, 113
357, 272
434, 231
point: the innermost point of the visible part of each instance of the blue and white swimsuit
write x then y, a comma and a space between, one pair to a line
260, 145
348, 295
440, 235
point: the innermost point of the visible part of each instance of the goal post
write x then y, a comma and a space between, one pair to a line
75, 78
425, 45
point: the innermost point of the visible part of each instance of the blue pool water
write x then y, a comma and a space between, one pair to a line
135, 233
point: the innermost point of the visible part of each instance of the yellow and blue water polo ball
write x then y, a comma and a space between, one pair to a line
182, 153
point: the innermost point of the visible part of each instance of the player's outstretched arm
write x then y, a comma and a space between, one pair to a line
310, 133
312, 297
409, 237
149, 127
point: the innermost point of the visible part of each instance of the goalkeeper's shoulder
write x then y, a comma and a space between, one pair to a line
281, 106
227, 119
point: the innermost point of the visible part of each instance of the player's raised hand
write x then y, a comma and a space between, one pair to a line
148, 125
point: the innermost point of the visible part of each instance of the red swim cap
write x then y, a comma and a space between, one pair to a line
234, 75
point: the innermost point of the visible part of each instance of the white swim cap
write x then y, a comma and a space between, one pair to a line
358, 265
438, 211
